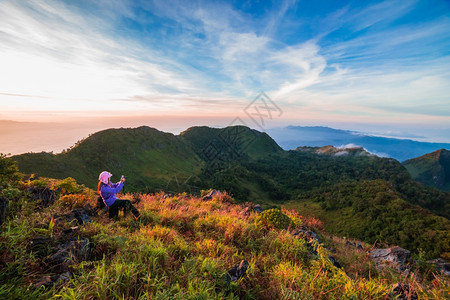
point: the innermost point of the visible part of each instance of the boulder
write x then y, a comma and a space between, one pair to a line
358, 246
258, 208
237, 271
72, 250
41, 246
211, 195
55, 280
395, 256
80, 215
307, 234
334, 262
45, 196
441, 265
402, 291
250, 207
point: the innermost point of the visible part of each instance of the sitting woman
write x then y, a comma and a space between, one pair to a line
108, 191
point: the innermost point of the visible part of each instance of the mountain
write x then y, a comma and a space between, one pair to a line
291, 137
151, 159
148, 157
252, 167
432, 169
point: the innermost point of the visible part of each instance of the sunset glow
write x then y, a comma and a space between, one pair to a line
381, 66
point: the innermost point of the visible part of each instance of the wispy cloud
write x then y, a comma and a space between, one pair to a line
367, 61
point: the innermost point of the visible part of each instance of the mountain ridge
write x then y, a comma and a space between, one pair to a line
431, 169
291, 137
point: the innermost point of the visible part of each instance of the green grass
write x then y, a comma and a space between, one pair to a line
181, 248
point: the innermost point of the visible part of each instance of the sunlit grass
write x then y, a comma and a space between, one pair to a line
182, 248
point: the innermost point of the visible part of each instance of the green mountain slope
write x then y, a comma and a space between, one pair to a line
432, 169
230, 142
371, 210
148, 157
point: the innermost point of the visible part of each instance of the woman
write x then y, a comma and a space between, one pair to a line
108, 191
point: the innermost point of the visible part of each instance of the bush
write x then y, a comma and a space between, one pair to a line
273, 218
69, 186
73, 201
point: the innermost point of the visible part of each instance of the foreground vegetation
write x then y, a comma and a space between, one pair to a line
182, 248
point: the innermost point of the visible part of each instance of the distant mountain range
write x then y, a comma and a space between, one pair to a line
356, 194
291, 137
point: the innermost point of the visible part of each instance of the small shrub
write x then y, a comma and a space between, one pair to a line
11, 193
273, 218
74, 200
40, 183
69, 186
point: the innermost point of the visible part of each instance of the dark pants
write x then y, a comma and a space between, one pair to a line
125, 204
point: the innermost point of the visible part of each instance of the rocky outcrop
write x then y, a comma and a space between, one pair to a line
394, 257
55, 280
308, 235
358, 246
250, 207
71, 251
211, 194
402, 291
44, 196
441, 265
80, 215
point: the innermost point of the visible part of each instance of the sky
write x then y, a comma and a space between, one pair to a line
381, 67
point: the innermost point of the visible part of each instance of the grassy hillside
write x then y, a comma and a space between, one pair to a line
184, 248
151, 159
432, 169
230, 142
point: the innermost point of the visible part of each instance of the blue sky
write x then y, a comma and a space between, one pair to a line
380, 66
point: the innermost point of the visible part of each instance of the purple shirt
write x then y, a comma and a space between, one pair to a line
109, 192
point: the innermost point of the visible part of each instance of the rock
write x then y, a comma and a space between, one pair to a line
4, 203
61, 278
308, 235
81, 215
441, 265
45, 281
211, 194
334, 262
237, 271
71, 230
403, 292
45, 196
258, 208
76, 250
358, 246
41, 246
55, 280
395, 255
249, 208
